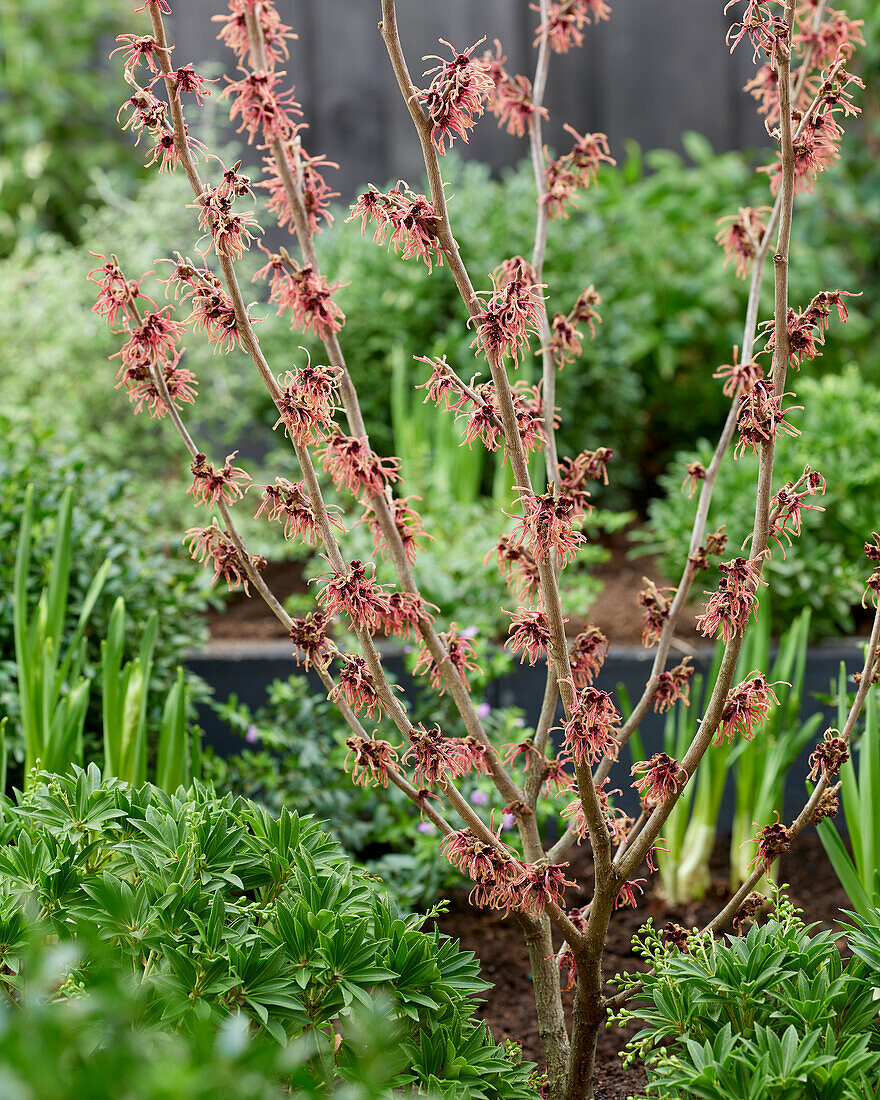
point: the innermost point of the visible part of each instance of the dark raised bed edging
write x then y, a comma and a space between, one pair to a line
246, 669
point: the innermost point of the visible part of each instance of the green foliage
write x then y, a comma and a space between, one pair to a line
294, 757
58, 101
222, 913
760, 765
108, 522
298, 760
773, 1015
824, 570
103, 1042
53, 694
858, 872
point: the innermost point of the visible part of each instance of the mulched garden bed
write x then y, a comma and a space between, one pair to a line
499, 945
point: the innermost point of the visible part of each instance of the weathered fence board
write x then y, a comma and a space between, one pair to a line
654, 70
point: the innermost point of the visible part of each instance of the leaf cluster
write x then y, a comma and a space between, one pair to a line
109, 521
221, 911
775, 1014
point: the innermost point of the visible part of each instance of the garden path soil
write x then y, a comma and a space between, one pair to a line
498, 944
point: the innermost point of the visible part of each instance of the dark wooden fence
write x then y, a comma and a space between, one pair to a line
657, 68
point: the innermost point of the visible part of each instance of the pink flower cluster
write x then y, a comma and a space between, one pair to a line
370, 761
314, 190
456, 96
211, 544
274, 33
307, 402
574, 171
565, 21
547, 527
505, 318
460, 652
410, 218
729, 609
761, 417
661, 778
590, 726
264, 110
288, 503
566, 340
210, 486
741, 235
304, 293
510, 97
746, 705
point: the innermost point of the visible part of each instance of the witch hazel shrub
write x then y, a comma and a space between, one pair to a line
503, 399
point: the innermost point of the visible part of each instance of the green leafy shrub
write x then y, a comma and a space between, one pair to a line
57, 152
823, 570
221, 911
776, 1014
294, 758
109, 521
66, 1041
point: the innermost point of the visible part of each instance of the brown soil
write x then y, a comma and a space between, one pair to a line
615, 611
509, 1008
248, 618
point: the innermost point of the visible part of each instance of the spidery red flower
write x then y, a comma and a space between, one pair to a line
288, 503
210, 543
773, 841
356, 686
587, 654
352, 463
274, 33
462, 656
590, 727
546, 527
309, 636
370, 761
541, 884
434, 757
411, 219
211, 486
263, 110
529, 634
661, 778
673, 686
355, 592
740, 236
729, 609
115, 292
456, 96
307, 402
829, 755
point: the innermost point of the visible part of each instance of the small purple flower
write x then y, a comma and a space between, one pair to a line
508, 821
427, 828
479, 798
483, 710
252, 736
520, 722
469, 632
